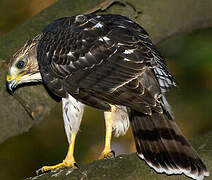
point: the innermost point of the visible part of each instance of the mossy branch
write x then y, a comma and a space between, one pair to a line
128, 167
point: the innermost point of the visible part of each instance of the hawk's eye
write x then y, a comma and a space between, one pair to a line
20, 64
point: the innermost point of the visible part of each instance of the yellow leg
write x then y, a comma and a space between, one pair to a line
109, 122
69, 160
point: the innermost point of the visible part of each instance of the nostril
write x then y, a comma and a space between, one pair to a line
8, 78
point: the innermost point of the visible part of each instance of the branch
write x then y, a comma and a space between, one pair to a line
128, 167
160, 18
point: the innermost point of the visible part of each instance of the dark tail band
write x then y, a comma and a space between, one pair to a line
162, 145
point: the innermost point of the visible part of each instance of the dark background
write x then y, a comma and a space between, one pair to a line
189, 57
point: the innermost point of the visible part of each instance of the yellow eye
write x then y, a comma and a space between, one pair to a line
20, 64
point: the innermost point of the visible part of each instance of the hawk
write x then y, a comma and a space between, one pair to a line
108, 62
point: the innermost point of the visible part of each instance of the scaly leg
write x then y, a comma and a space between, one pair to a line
68, 161
108, 122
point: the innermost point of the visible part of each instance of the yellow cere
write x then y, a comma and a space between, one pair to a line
10, 78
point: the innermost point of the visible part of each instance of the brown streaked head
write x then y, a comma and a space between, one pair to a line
23, 66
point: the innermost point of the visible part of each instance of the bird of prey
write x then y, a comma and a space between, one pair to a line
108, 62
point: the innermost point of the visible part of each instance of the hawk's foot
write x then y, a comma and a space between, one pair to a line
68, 162
56, 167
107, 154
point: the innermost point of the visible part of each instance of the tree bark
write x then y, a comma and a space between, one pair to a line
161, 19
128, 167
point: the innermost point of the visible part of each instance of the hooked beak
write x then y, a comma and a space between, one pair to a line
11, 83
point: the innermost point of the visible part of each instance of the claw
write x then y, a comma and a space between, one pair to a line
39, 172
107, 155
57, 167
76, 165
110, 155
113, 153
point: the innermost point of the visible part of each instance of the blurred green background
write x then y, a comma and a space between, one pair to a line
189, 57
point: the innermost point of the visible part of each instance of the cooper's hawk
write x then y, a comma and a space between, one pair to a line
110, 63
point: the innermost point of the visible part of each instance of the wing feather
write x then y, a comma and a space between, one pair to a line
102, 55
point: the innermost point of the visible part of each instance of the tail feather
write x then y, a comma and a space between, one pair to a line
162, 145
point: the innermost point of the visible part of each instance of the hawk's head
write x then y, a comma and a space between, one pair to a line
23, 66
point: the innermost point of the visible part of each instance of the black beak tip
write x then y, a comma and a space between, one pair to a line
10, 90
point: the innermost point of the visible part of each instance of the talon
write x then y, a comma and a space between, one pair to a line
76, 165
110, 155
68, 162
113, 153
39, 172
58, 166
107, 155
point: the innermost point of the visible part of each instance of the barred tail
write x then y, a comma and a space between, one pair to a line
162, 145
